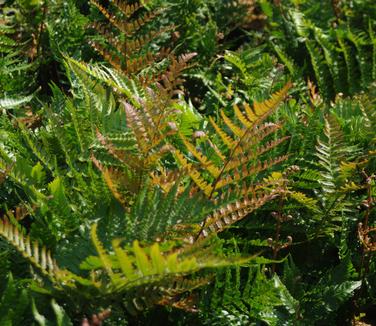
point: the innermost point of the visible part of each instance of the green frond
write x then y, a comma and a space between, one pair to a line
14, 301
103, 74
372, 35
137, 266
9, 103
241, 296
340, 56
306, 201
160, 214
351, 64
106, 262
331, 153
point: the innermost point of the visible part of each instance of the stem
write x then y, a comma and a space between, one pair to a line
364, 267
41, 29
276, 246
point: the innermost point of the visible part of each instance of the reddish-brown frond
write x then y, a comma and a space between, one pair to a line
171, 79
126, 50
127, 9
166, 179
232, 213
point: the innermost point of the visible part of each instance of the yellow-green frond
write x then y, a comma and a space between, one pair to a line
205, 162
227, 140
194, 174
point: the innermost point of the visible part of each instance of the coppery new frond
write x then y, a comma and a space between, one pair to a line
171, 79
166, 179
126, 50
127, 28
104, 11
127, 9
230, 214
112, 58
148, 127
244, 172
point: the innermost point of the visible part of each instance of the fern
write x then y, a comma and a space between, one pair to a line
128, 52
330, 154
8, 103
242, 145
39, 256
128, 270
14, 303
339, 56
256, 299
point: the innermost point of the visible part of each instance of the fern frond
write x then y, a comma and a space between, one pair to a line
306, 201
166, 179
128, 9
230, 214
206, 187
205, 162
330, 153
128, 28
9, 103
351, 65
137, 266
171, 79
40, 257
127, 54
244, 145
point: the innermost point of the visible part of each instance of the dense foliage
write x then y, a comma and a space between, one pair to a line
187, 162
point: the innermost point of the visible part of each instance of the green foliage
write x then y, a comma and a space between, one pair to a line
14, 303
338, 50
259, 299
62, 318
228, 180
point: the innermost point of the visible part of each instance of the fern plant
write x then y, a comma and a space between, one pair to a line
124, 188
14, 303
13, 58
256, 299
341, 57
129, 50
129, 273
166, 211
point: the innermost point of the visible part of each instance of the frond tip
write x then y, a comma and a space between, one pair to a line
244, 139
